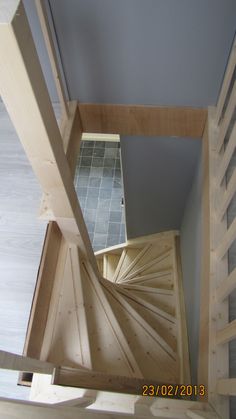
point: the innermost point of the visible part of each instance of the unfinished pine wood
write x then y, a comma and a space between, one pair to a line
226, 83
143, 120
43, 292
201, 415
226, 240
203, 359
227, 155
121, 340
99, 381
228, 195
122, 301
181, 323
143, 269
226, 286
21, 363
226, 387
226, 334
224, 125
218, 314
26, 98
133, 263
21, 410
46, 30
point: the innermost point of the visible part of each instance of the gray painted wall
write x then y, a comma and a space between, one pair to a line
158, 174
163, 52
190, 240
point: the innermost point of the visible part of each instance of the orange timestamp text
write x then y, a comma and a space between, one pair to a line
175, 390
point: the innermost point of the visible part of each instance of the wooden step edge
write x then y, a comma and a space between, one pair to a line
182, 340
135, 261
149, 264
154, 275
142, 322
141, 301
119, 335
119, 265
148, 290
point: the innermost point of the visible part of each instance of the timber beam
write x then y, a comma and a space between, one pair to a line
24, 92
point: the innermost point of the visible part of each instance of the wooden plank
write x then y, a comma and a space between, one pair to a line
226, 387
227, 118
218, 314
100, 381
46, 30
195, 414
226, 334
226, 83
227, 155
165, 407
141, 301
121, 339
15, 362
226, 286
100, 137
80, 307
226, 241
21, 409
147, 277
227, 196
71, 131
43, 291
150, 331
148, 265
182, 336
134, 262
27, 100
146, 289
143, 120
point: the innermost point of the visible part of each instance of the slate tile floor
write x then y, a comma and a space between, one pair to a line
99, 188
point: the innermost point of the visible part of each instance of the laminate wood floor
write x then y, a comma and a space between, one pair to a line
21, 239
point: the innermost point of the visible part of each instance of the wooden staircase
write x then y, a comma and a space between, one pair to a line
128, 321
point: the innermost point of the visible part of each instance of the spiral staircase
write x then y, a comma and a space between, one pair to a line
129, 320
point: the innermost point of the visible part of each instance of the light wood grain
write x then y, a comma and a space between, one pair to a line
142, 120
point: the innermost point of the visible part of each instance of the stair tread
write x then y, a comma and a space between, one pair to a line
153, 360
112, 262
154, 251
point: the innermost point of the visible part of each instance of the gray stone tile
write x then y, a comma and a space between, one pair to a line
82, 181
92, 192
98, 152
86, 161
117, 193
113, 239
81, 191
117, 163
112, 144
107, 182
104, 204
87, 143
90, 215
95, 182
97, 162
101, 227
99, 144
103, 215
108, 162
115, 216
105, 193
87, 151
91, 203
111, 153
100, 240
90, 226
115, 204
96, 171
84, 171
108, 172
117, 183
114, 228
